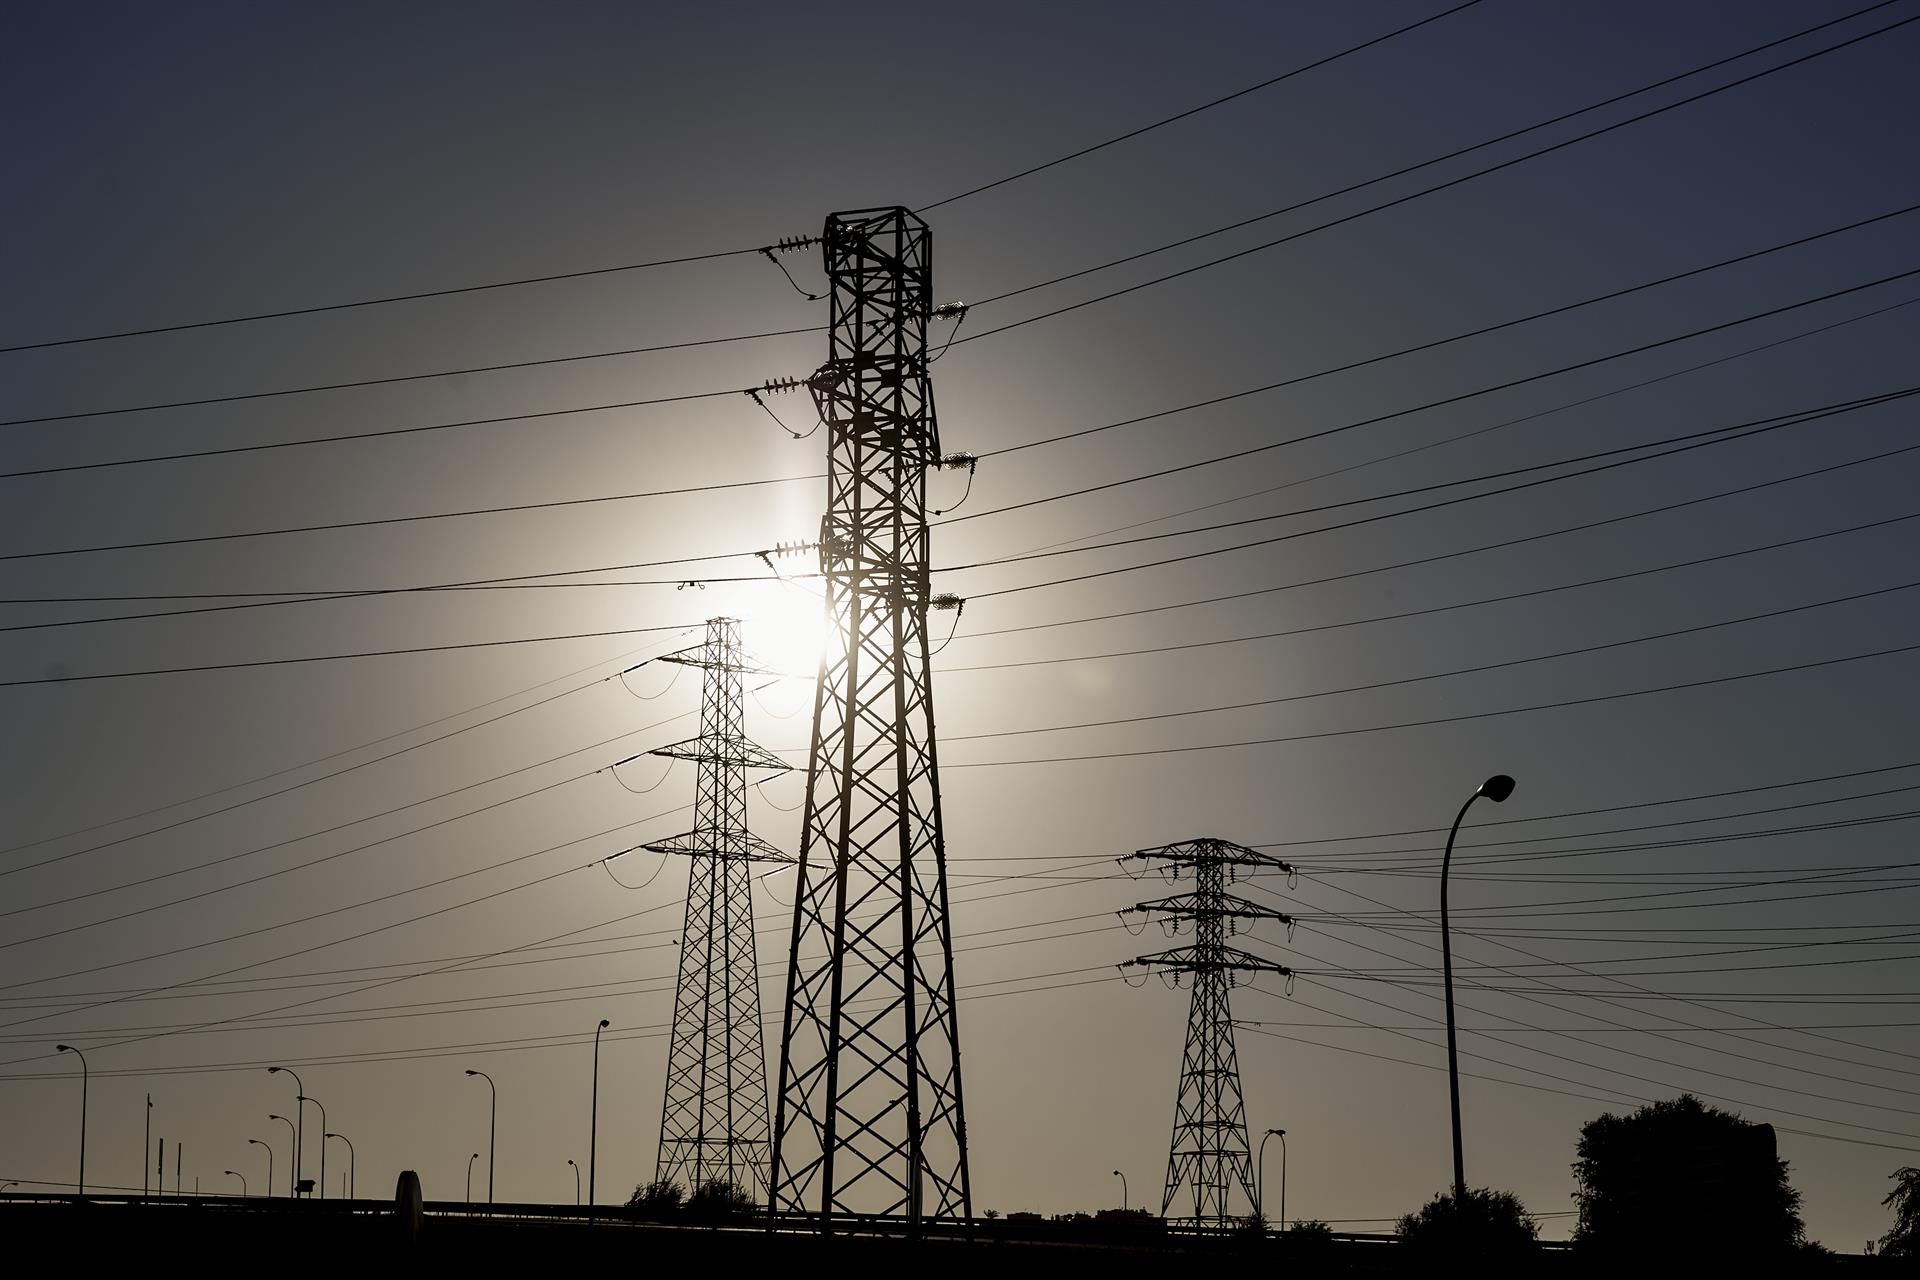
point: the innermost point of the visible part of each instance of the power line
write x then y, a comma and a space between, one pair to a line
1453, 719
1443, 608
332, 657
1503, 544
623, 497
1451, 155
383, 433
1193, 111
332, 755
1441, 675
320, 309
1426, 191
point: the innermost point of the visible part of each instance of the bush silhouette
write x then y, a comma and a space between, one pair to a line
720, 1200
658, 1200
1487, 1227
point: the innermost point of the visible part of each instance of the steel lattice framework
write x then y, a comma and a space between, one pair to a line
713, 1124
868, 1115
1209, 1151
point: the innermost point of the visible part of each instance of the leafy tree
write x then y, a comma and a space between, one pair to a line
1487, 1227
1681, 1178
1904, 1240
657, 1199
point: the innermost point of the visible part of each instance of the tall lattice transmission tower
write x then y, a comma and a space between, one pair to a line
713, 1124
868, 1115
1209, 1151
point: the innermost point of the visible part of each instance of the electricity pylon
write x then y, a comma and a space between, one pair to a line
713, 1124
1209, 1151
868, 1116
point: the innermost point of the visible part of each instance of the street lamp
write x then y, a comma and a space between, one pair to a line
300, 1129
255, 1142
1497, 789
493, 1127
470, 1160
1259, 1181
323, 1145
293, 1134
84, 1076
353, 1160
243, 1181
1123, 1189
593, 1122
576, 1182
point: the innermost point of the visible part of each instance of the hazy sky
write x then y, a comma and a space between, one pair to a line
205, 161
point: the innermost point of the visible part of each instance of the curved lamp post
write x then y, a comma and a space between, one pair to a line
470, 1160
593, 1122
1497, 789
353, 1160
493, 1127
1123, 1189
576, 1182
293, 1136
243, 1181
320, 1186
81, 1186
255, 1142
1260, 1172
300, 1128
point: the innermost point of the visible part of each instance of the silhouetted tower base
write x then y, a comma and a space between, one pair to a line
713, 1125
868, 1115
1209, 1152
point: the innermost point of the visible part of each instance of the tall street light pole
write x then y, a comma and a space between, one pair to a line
81, 1186
255, 1142
1123, 1189
1260, 1175
300, 1128
1497, 789
470, 1160
243, 1181
593, 1121
493, 1128
353, 1161
293, 1136
576, 1182
146, 1145
322, 1184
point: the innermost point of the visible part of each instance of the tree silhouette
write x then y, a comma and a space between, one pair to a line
1904, 1240
1487, 1227
1681, 1178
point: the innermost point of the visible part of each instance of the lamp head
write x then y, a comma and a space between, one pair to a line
1497, 788
63, 1048
604, 1024
272, 1116
472, 1072
1278, 1133
273, 1071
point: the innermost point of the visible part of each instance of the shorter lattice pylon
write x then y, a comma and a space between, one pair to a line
714, 1122
1209, 1151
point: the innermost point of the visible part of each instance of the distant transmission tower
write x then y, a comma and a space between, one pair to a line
713, 1124
1209, 1151
868, 1116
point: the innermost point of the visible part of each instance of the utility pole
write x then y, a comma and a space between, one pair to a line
713, 1123
868, 1115
1209, 1151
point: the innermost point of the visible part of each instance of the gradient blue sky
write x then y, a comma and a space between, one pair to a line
201, 161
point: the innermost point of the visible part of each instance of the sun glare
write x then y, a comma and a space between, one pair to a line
788, 634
